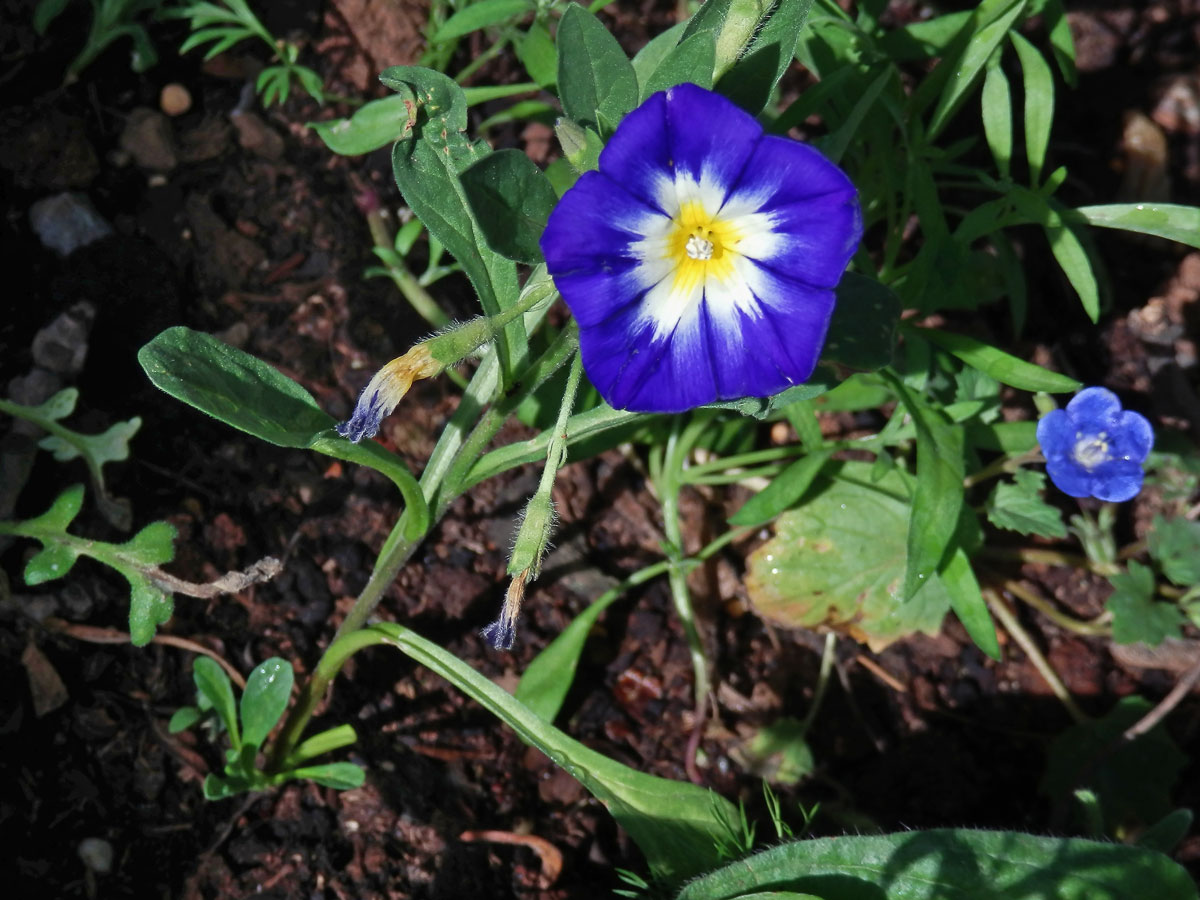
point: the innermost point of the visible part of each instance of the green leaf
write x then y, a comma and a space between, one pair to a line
862, 332
839, 560
341, 776
650, 57
1054, 19
784, 491
1166, 220
326, 742
1165, 834
753, 77
1137, 616
676, 825
183, 719
777, 753
692, 61
480, 15
821, 381
1039, 104
968, 604
1002, 366
252, 396
149, 607
52, 561
923, 39
1073, 259
268, 690
213, 683
595, 79
538, 55
939, 494
964, 69
152, 546
1020, 506
1132, 779
45, 12
951, 864
1003, 437
373, 125
511, 199
996, 103
835, 144
1175, 546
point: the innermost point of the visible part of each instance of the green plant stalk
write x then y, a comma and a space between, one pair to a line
1098, 627
679, 447
50, 426
442, 485
418, 298
828, 657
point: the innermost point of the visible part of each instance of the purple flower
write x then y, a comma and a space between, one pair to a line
1093, 448
700, 260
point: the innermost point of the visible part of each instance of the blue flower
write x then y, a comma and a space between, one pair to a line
700, 260
1093, 448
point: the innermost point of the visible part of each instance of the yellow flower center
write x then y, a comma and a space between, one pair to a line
701, 245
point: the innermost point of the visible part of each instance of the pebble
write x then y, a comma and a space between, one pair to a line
97, 854
65, 222
256, 136
174, 99
147, 138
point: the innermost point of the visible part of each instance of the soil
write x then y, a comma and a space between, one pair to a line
238, 221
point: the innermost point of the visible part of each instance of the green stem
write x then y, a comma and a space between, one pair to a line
1003, 465
828, 656
418, 298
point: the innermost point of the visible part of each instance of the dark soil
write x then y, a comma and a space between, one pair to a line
254, 231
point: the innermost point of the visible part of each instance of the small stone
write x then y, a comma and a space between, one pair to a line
97, 854
256, 136
147, 138
174, 99
65, 222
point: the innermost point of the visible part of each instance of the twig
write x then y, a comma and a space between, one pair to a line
881, 673
229, 583
551, 856
94, 635
1182, 688
1021, 636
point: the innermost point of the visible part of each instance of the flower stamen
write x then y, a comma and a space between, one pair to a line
1092, 450
699, 248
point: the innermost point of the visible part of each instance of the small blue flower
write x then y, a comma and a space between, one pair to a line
700, 260
1093, 448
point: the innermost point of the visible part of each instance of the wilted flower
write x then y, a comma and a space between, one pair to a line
386, 389
1093, 448
700, 260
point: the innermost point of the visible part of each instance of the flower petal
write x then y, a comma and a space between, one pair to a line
1117, 482
711, 140
1094, 409
1056, 434
595, 222
1133, 437
1068, 477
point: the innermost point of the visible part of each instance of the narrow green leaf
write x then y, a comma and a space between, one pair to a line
45, 12
595, 79
784, 491
268, 690
923, 39
511, 199
968, 604
325, 742
214, 684
1165, 834
1167, 220
1010, 370
951, 864
183, 719
1039, 104
996, 103
1054, 19
939, 493
481, 14
373, 125
675, 824
836, 143
964, 69
1073, 259
341, 776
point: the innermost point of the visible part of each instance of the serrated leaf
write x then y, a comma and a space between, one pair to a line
268, 690
53, 561
951, 864
149, 607
511, 199
1020, 506
595, 79
1137, 616
152, 546
1175, 546
839, 560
